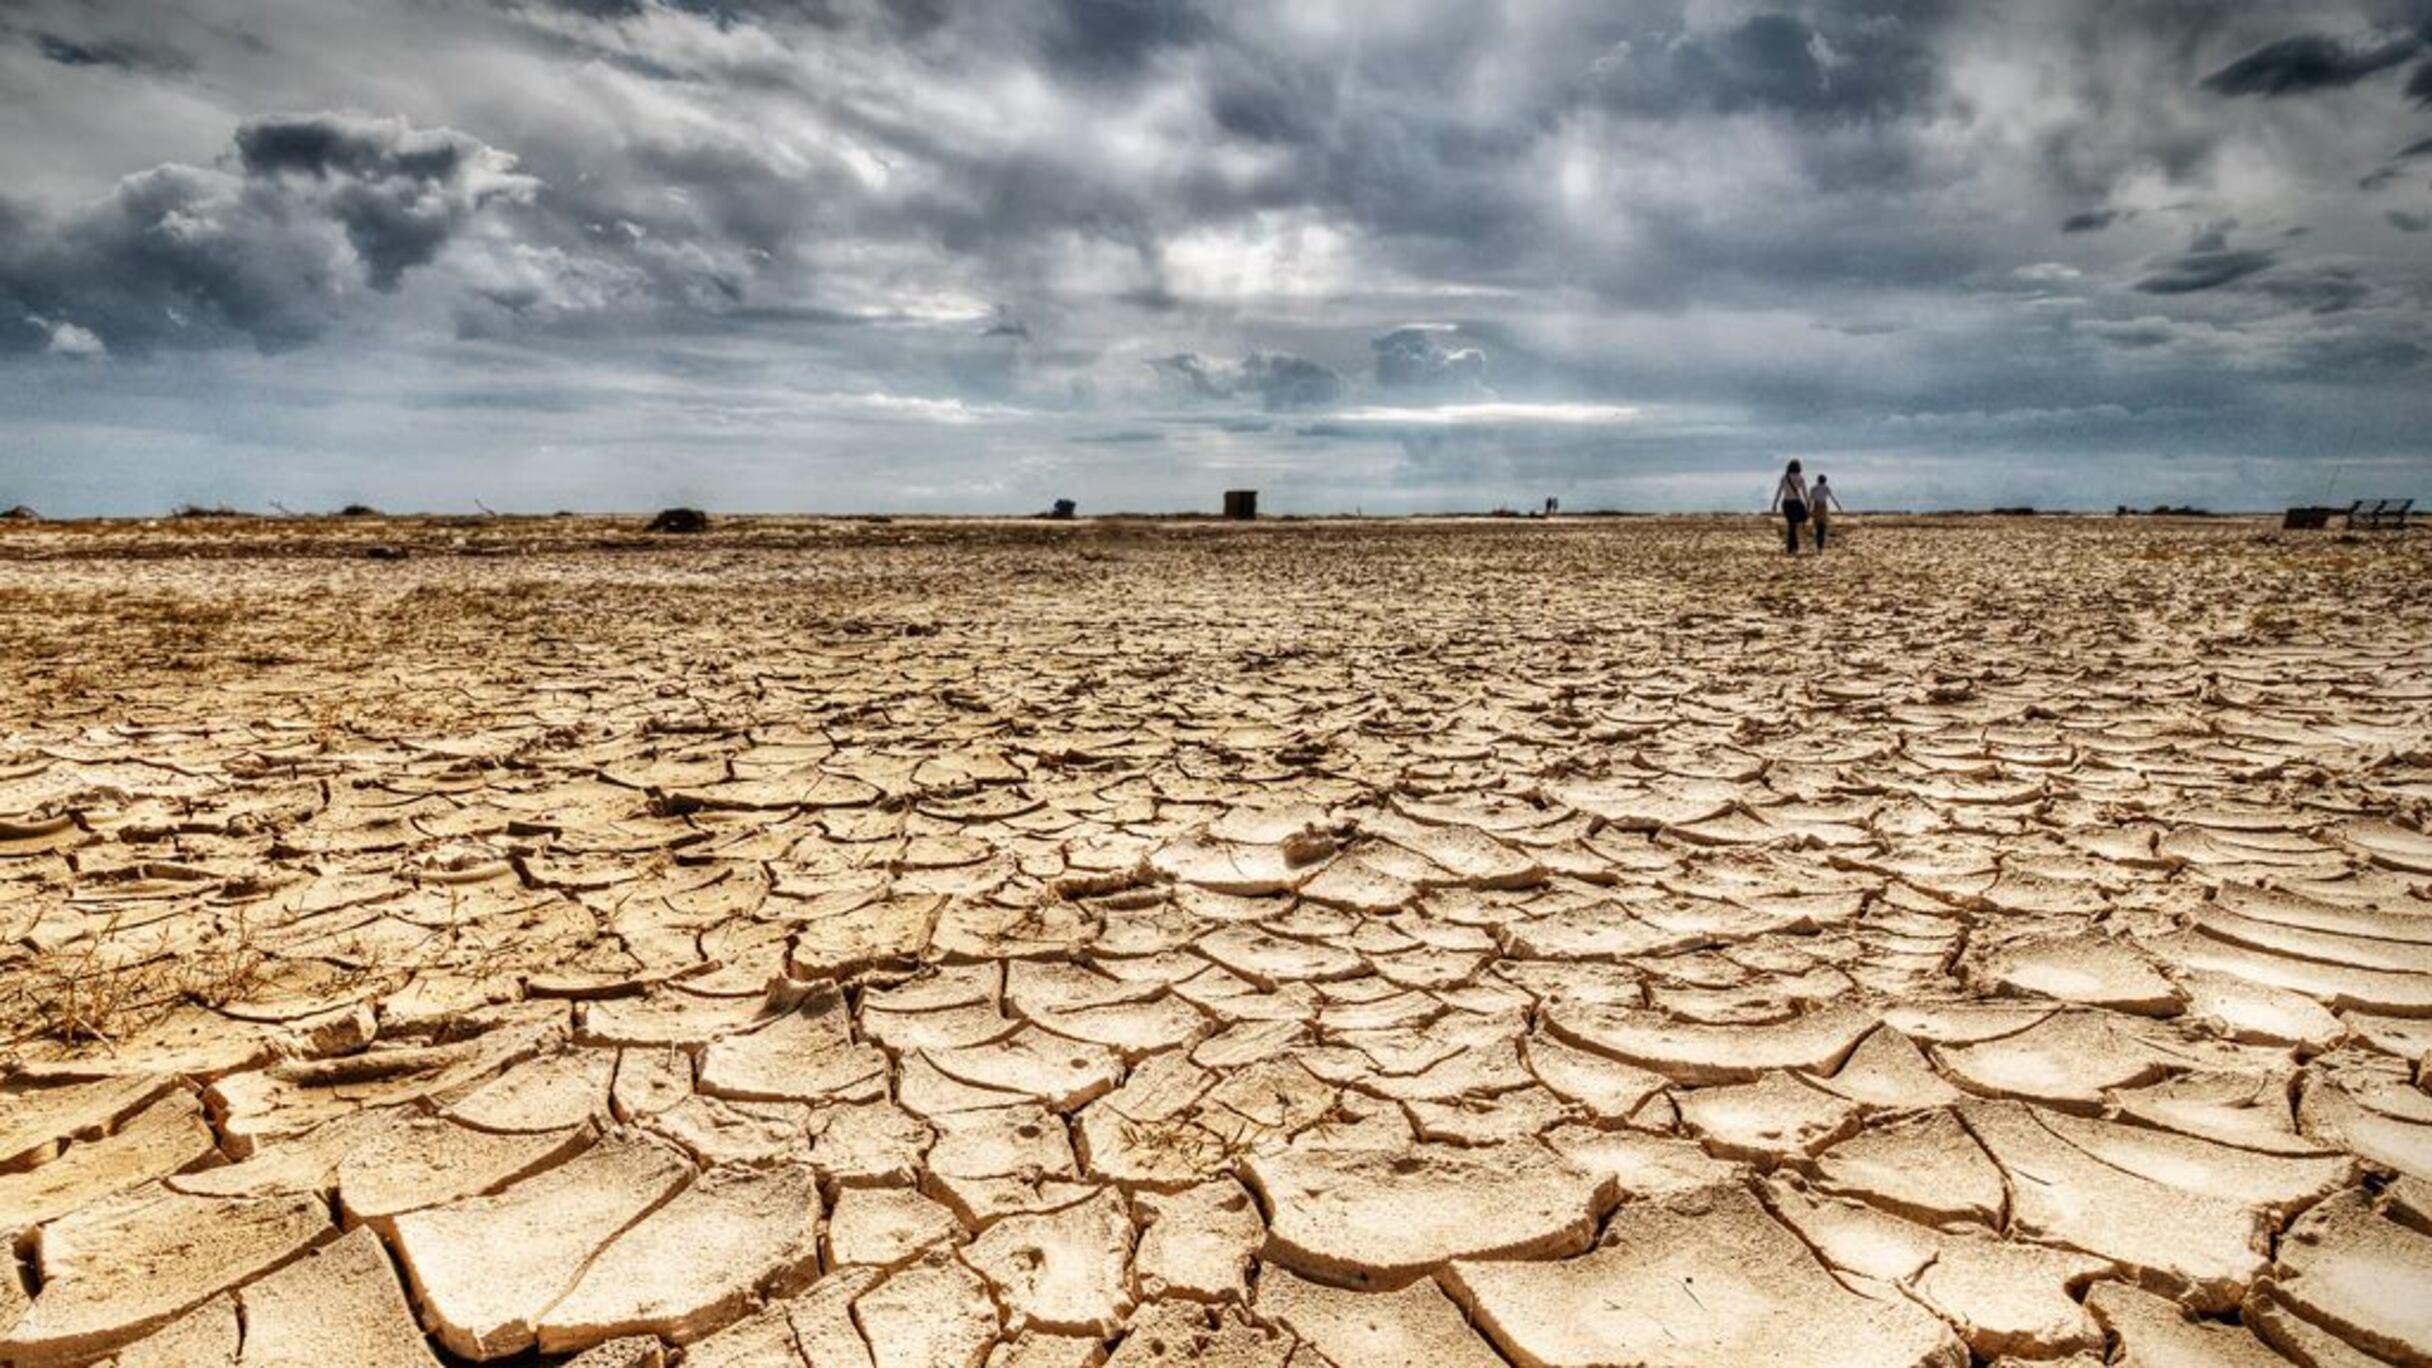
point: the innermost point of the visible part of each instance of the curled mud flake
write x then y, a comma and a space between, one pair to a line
1926, 1168
1060, 1073
125, 1266
1699, 1277
168, 1136
806, 1054
935, 1311
2003, 1297
1768, 1122
1416, 1324
1064, 1271
210, 1334
418, 1162
36, 1121
1367, 1218
2070, 1061
1816, 1042
884, 1226
1198, 1243
2354, 1272
339, 1304
2159, 1331
694, 1264
2091, 970
485, 1270
2200, 1247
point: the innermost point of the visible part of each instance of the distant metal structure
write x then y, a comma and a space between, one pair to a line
1241, 505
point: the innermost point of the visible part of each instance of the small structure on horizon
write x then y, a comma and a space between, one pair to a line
2363, 514
2380, 515
1241, 505
1062, 510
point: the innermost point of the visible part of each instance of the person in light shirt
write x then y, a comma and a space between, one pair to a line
1790, 497
1821, 502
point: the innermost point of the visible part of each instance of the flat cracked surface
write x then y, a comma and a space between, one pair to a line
1445, 942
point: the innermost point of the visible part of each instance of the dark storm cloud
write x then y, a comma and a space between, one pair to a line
176, 254
1117, 38
186, 255
2089, 221
2309, 62
2204, 270
400, 192
2419, 85
1848, 61
73, 54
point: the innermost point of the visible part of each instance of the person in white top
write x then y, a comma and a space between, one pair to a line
1790, 496
1821, 502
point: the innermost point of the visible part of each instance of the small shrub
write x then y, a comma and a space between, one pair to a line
680, 520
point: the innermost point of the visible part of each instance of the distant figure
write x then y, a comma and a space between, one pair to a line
1820, 503
1790, 496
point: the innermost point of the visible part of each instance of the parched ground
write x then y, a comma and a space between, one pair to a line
1437, 943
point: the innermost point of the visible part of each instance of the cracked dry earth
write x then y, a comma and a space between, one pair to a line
1444, 944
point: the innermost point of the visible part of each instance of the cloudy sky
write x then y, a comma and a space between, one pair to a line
974, 255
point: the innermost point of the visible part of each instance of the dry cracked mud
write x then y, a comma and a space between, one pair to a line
910, 943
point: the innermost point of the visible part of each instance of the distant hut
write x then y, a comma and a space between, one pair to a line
1241, 505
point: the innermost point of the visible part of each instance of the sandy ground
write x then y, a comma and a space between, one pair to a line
1425, 943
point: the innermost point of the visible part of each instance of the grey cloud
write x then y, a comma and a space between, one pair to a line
2409, 223
1424, 357
1193, 371
2090, 221
2419, 85
194, 256
1290, 382
400, 192
2137, 333
2309, 62
1841, 61
2360, 351
2321, 289
1116, 38
67, 52
2204, 270
177, 254
1279, 380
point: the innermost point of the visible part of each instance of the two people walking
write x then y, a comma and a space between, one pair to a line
1798, 502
